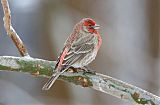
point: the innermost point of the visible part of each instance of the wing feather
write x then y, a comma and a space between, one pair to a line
79, 50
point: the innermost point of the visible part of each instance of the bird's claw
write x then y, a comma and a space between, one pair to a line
86, 70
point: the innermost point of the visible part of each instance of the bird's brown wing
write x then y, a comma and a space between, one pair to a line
82, 40
79, 49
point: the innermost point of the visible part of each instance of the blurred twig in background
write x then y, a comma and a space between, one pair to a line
96, 81
10, 30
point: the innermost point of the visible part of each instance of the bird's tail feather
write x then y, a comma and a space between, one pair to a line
52, 79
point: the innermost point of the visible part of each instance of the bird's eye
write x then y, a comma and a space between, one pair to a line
90, 25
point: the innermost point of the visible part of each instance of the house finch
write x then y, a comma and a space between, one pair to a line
79, 50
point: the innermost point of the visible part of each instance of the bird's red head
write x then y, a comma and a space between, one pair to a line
89, 25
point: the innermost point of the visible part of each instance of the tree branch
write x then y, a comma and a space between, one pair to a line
10, 30
100, 82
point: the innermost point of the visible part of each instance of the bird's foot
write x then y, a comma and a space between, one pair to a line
73, 70
87, 70
84, 69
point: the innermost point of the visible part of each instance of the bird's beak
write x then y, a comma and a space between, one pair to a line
96, 26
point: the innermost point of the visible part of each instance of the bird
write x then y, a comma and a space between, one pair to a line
79, 50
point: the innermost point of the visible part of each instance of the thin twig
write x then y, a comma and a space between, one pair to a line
10, 30
100, 82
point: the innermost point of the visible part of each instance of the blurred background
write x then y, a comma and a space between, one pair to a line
129, 52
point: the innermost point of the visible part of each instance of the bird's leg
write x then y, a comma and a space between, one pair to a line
87, 70
73, 70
